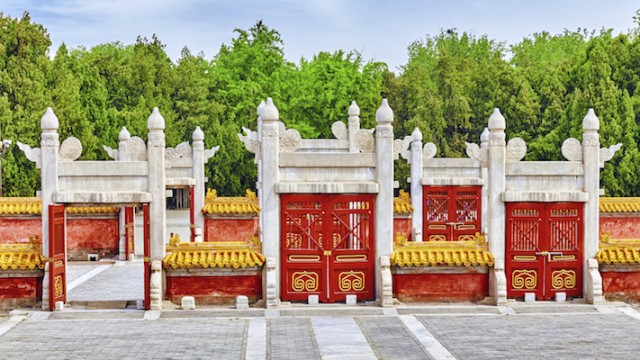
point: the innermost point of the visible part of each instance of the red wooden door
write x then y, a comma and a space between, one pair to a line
451, 212
147, 255
129, 231
544, 249
192, 214
57, 256
327, 246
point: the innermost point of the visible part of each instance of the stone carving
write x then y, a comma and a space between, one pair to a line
112, 153
606, 154
136, 149
384, 132
402, 147
386, 298
70, 149
250, 140
155, 285
156, 139
476, 152
272, 299
339, 130
183, 150
364, 141
429, 150
33, 154
572, 149
290, 141
516, 149
208, 153
269, 132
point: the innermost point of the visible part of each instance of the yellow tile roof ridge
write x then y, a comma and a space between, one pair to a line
402, 204
442, 253
619, 204
235, 205
618, 251
33, 206
228, 254
27, 256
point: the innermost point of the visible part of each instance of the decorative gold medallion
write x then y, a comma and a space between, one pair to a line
58, 286
563, 279
304, 281
351, 281
524, 279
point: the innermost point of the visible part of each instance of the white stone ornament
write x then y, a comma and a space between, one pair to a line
112, 153
476, 152
136, 149
339, 130
572, 149
70, 149
250, 140
33, 154
429, 150
182, 151
364, 141
516, 149
209, 153
290, 141
402, 147
606, 154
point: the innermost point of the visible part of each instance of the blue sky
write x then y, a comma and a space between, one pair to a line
380, 30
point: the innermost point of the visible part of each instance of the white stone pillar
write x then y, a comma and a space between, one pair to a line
199, 189
496, 221
416, 184
123, 155
157, 188
258, 160
270, 213
49, 147
354, 126
591, 160
384, 200
484, 174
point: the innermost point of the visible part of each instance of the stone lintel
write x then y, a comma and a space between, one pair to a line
176, 182
314, 160
545, 196
21, 273
112, 197
452, 163
452, 181
249, 271
327, 188
103, 168
542, 168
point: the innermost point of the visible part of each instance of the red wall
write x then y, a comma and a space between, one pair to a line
18, 229
92, 236
214, 290
233, 229
621, 285
440, 287
620, 226
402, 226
20, 292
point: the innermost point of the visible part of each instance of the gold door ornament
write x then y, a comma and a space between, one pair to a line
351, 281
58, 286
563, 279
304, 281
524, 279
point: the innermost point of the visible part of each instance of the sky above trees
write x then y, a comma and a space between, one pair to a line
379, 30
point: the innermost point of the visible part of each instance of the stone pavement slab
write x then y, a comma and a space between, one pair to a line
390, 339
291, 338
122, 281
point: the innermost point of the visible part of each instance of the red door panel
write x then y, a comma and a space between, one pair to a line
129, 231
565, 249
147, 255
192, 214
57, 256
524, 234
451, 213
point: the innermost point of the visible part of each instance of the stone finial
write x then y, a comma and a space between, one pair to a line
260, 107
124, 134
49, 120
590, 121
198, 135
269, 111
416, 134
354, 109
496, 120
155, 121
484, 137
384, 114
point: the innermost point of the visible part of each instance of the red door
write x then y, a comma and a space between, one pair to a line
129, 231
192, 214
147, 255
451, 212
327, 246
57, 256
544, 249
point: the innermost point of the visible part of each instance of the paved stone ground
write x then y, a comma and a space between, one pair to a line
120, 281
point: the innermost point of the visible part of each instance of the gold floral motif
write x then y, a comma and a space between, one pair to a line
351, 281
527, 279
563, 279
304, 281
58, 286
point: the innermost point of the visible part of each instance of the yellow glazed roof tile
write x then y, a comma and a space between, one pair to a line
247, 205
619, 205
33, 206
22, 256
442, 253
231, 254
618, 251
402, 204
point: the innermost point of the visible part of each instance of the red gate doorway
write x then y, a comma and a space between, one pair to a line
147, 255
544, 249
129, 231
327, 246
451, 212
57, 256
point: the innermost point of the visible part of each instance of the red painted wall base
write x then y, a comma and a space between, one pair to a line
20, 291
214, 290
621, 286
440, 287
